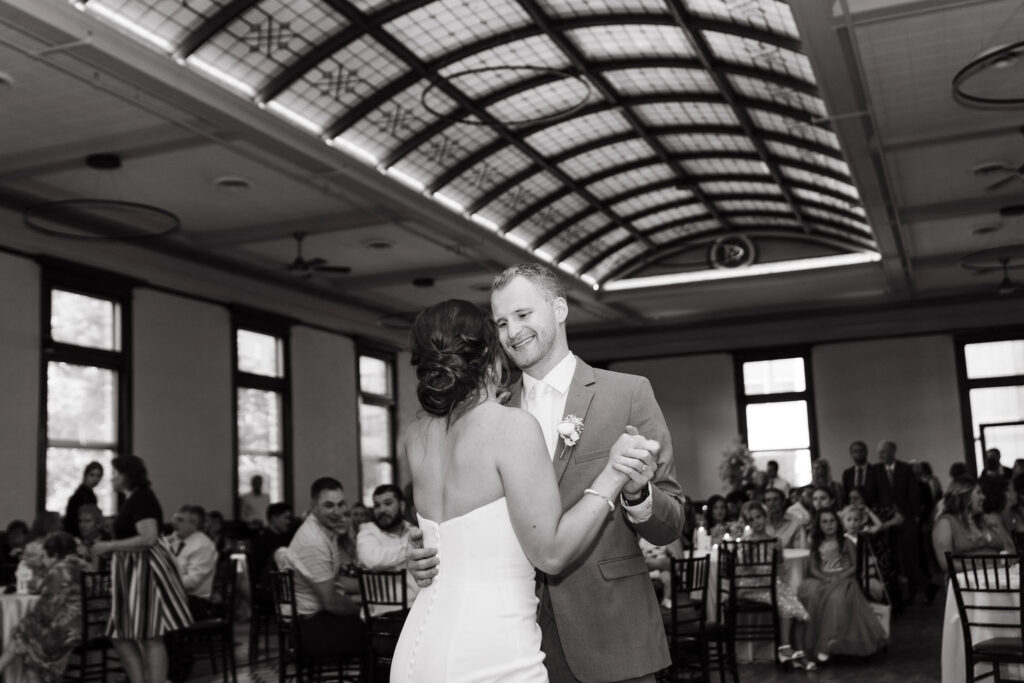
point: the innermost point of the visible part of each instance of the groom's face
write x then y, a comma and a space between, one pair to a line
528, 322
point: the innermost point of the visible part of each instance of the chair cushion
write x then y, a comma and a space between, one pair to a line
1000, 647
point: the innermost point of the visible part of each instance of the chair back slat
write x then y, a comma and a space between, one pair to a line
383, 589
979, 579
96, 603
688, 584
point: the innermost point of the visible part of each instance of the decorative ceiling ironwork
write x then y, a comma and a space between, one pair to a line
602, 135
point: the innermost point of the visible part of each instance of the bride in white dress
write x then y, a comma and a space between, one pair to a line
488, 501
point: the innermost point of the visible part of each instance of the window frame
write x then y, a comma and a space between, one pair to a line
99, 284
743, 400
280, 328
964, 384
390, 403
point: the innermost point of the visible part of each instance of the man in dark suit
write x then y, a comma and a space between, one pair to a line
859, 476
994, 469
897, 490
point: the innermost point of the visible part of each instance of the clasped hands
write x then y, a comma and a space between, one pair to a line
632, 455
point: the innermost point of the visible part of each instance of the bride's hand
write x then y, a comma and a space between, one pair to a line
628, 461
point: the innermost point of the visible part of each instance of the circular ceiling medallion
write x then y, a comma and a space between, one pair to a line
100, 219
495, 72
733, 251
992, 80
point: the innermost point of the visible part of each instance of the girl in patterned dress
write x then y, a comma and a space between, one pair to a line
147, 596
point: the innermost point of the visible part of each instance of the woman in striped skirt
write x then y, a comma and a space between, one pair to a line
148, 599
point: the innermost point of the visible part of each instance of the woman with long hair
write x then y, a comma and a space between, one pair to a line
148, 598
962, 529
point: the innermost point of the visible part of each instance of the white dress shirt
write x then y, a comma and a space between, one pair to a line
385, 551
196, 558
545, 399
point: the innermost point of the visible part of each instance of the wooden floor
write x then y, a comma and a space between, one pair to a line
912, 657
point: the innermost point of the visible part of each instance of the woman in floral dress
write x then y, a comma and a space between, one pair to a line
46, 636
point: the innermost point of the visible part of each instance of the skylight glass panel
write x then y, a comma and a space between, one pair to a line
606, 157
857, 237
677, 232
830, 183
827, 200
699, 167
705, 142
738, 187
815, 212
620, 257
771, 121
679, 113
628, 180
446, 25
384, 129
660, 79
764, 221
573, 132
755, 54
648, 200
753, 205
575, 8
512, 201
172, 20
268, 37
768, 15
758, 89
336, 85
788, 151
536, 50
444, 150
587, 250
371, 6
630, 40
549, 100
576, 232
551, 215
484, 176
669, 216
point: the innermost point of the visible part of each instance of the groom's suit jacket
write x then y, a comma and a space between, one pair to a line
604, 604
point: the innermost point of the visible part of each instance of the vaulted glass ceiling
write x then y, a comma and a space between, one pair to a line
602, 135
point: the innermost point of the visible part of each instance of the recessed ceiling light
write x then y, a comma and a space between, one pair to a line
231, 183
378, 243
423, 282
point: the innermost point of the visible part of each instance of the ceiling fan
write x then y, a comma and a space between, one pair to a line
1007, 286
1014, 172
306, 268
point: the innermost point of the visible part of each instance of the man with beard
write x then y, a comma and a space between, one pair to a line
381, 544
605, 600
860, 475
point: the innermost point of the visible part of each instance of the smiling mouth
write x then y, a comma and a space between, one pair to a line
518, 345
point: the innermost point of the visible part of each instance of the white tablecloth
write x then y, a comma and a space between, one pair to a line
795, 565
953, 657
13, 608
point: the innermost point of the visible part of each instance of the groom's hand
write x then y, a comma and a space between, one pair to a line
422, 562
647, 463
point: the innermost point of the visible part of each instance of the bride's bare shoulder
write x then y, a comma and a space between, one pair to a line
503, 420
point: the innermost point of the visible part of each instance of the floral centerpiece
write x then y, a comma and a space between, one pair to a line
34, 557
737, 465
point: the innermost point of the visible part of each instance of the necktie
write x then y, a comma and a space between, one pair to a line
540, 408
889, 473
859, 481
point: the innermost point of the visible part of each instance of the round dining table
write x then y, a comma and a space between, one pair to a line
13, 608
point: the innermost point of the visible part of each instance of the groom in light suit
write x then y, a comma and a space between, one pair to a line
600, 618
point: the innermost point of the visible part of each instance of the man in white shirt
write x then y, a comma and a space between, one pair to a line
329, 620
774, 480
381, 544
196, 558
253, 505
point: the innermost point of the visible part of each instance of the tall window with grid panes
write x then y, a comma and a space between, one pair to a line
992, 377
262, 410
85, 399
376, 421
776, 412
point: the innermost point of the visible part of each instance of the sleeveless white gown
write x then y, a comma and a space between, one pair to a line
477, 621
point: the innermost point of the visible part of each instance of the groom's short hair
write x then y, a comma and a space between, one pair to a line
542, 276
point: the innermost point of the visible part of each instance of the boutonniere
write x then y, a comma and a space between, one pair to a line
570, 429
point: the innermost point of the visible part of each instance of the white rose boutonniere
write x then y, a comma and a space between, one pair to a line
570, 429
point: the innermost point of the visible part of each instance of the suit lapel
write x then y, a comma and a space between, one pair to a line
577, 403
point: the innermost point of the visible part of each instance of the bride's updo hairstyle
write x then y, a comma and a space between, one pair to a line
454, 347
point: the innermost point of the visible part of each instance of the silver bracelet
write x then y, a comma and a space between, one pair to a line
592, 492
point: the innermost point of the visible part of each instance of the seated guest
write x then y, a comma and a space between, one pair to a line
821, 478
13, 543
329, 621
276, 534
360, 516
715, 511
802, 509
841, 619
961, 529
253, 505
382, 543
214, 530
83, 495
1017, 510
734, 500
45, 523
774, 481
1000, 499
45, 637
90, 530
957, 470
788, 530
659, 564
195, 557
856, 521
